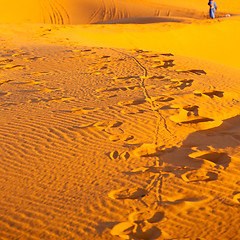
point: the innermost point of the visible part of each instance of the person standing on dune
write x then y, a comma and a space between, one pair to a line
213, 8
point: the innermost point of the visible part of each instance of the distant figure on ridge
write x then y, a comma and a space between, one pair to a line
213, 8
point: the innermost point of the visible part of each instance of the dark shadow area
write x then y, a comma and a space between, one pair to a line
144, 20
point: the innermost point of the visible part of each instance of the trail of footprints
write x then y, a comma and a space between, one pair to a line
7, 59
142, 222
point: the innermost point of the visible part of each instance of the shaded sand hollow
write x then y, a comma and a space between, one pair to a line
124, 130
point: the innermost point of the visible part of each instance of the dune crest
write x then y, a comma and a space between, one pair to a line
96, 11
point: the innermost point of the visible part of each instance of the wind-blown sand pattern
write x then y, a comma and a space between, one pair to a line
109, 137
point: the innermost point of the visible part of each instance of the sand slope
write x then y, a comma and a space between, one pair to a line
119, 131
101, 143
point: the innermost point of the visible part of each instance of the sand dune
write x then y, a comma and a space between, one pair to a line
96, 11
122, 130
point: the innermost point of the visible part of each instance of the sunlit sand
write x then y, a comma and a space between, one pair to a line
119, 120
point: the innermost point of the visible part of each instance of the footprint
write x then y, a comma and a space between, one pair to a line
147, 232
156, 77
125, 155
124, 138
133, 102
115, 138
146, 216
166, 64
114, 155
128, 193
123, 229
115, 124
147, 150
199, 175
180, 84
191, 108
151, 56
214, 157
162, 99
189, 115
214, 93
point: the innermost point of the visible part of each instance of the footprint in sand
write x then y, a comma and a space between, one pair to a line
189, 115
114, 155
139, 226
180, 84
149, 216
123, 229
214, 93
128, 230
199, 175
155, 77
125, 155
213, 158
111, 127
128, 193
166, 64
124, 138
162, 99
132, 102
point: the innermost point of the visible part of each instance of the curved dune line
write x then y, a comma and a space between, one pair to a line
65, 12
54, 11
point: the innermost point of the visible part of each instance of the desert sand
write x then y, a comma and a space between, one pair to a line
119, 120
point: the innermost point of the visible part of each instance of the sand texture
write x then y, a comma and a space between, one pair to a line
124, 130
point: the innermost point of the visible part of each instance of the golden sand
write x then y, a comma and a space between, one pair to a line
122, 130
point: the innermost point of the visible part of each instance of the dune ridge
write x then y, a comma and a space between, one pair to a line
85, 12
